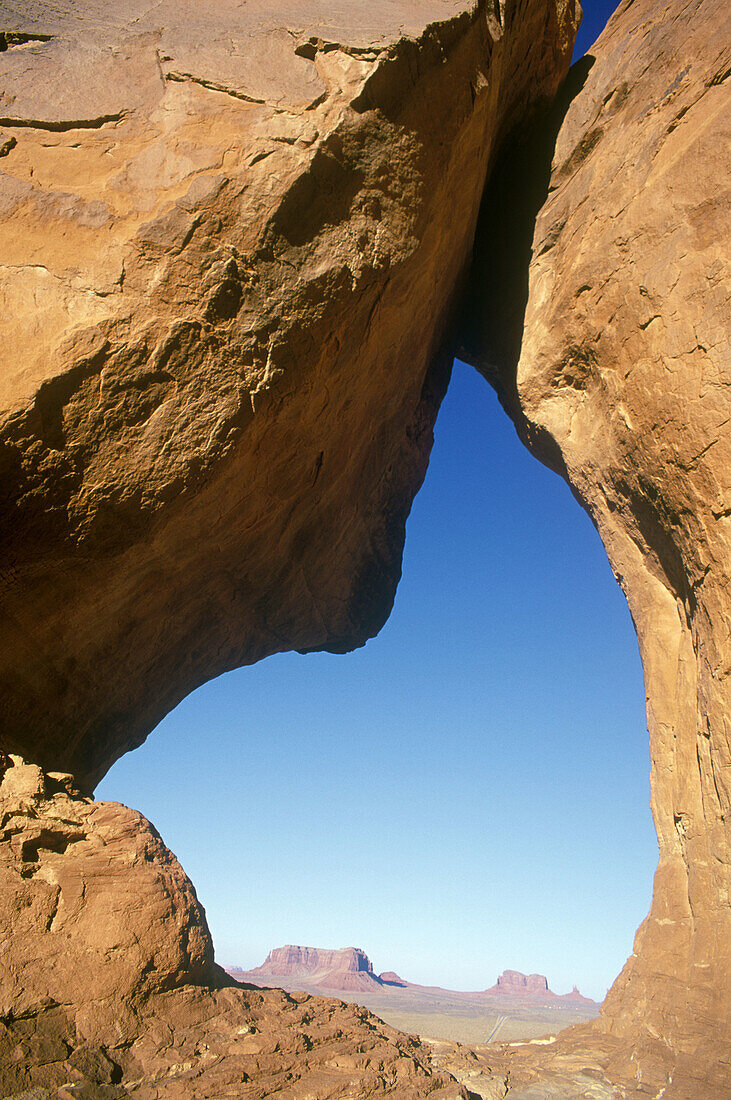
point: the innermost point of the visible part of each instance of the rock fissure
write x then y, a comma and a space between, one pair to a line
221, 412
60, 127
10, 39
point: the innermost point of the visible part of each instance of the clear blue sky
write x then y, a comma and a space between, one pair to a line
467, 793
596, 13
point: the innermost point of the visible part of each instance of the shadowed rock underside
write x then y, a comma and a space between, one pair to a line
237, 233
238, 240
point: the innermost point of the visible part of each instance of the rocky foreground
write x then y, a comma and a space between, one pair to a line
110, 988
235, 245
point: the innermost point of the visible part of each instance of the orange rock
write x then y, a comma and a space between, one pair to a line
232, 243
622, 386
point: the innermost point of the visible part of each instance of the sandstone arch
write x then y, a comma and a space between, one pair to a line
621, 384
242, 289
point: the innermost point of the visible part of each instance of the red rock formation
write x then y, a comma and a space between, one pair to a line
232, 237
108, 979
240, 230
348, 969
390, 977
84, 930
575, 995
312, 961
512, 983
622, 386
240, 237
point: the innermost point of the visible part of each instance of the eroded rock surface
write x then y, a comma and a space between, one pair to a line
108, 986
94, 907
231, 241
231, 238
623, 386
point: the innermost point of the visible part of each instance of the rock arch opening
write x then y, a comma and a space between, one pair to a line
189, 486
467, 793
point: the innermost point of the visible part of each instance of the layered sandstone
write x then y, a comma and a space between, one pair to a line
623, 386
346, 970
231, 238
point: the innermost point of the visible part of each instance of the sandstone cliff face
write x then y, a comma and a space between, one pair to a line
623, 386
313, 960
234, 238
231, 241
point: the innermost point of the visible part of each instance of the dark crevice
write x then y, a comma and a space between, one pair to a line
48, 840
493, 315
18, 38
60, 127
211, 85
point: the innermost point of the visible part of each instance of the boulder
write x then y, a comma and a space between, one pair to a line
94, 909
108, 986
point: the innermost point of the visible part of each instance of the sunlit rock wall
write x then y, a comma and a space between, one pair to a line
623, 386
231, 238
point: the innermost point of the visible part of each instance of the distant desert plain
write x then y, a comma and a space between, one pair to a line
518, 1006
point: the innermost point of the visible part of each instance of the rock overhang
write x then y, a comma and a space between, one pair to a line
241, 310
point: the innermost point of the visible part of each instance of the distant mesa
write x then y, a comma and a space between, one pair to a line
515, 984
389, 977
532, 987
350, 970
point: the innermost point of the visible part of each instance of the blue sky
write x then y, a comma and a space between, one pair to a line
469, 791
596, 13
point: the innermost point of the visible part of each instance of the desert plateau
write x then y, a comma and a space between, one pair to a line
241, 246
518, 1006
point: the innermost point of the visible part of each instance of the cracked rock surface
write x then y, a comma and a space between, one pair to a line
231, 239
622, 384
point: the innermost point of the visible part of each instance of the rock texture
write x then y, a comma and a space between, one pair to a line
108, 986
623, 386
231, 237
347, 969
512, 983
93, 907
